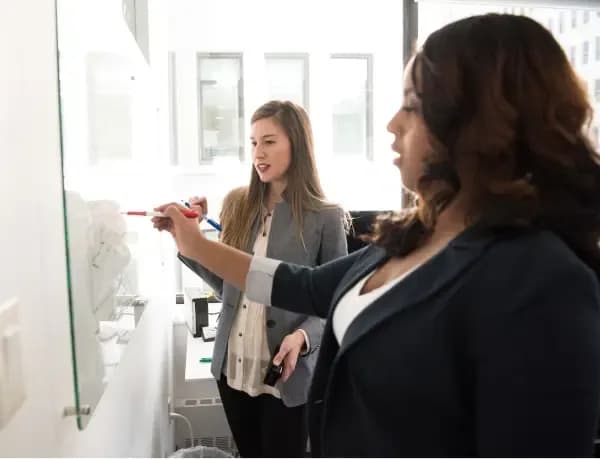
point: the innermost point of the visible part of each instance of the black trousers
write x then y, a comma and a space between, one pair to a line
263, 426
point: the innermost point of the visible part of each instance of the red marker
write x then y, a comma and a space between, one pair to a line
153, 213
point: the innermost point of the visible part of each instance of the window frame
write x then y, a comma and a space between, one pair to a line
202, 157
368, 57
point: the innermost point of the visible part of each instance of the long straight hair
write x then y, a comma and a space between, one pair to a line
303, 191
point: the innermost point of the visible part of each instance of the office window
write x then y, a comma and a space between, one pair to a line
352, 126
287, 77
554, 16
174, 159
220, 102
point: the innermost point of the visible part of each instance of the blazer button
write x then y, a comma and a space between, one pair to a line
270, 323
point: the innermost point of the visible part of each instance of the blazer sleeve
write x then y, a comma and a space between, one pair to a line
215, 282
297, 288
333, 236
538, 383
333, 245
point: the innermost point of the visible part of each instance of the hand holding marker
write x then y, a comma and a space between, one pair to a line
210, 221
187, 213
153, 213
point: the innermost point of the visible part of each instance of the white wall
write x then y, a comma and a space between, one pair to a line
131, 418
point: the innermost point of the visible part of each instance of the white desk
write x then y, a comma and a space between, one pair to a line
196, 349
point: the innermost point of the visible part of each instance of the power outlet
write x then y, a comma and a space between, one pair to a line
12, 383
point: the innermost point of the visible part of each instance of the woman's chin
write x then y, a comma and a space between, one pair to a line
269, 178
264, 178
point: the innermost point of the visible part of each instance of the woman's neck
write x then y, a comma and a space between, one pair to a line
274, 193
452, 220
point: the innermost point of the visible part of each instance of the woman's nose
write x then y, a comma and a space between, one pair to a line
395, 124
389, 126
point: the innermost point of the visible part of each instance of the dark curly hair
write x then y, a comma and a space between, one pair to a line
498, 89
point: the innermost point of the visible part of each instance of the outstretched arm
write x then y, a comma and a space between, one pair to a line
228, 263
294, 288
215, 282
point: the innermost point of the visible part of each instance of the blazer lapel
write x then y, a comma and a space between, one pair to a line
375, 257
426, 281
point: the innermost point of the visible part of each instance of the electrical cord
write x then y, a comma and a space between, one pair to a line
187, 421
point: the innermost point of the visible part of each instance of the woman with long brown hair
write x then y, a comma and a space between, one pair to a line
471, 325
284, 214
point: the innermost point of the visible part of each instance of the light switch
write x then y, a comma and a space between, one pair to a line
12, 384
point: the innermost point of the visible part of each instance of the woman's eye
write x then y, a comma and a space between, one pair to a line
253, 144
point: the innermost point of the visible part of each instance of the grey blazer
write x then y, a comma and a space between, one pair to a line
325, 240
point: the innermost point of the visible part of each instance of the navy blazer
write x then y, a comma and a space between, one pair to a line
491, 348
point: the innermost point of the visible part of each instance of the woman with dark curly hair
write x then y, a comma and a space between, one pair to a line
471, 325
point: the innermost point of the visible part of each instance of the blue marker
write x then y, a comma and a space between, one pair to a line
210, 221
213, 223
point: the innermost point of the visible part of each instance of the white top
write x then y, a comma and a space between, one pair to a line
248, 354
353, 303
